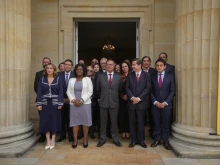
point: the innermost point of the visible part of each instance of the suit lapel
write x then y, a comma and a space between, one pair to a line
106, 78
140, 77
156, 80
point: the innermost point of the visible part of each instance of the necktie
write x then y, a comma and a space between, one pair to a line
160, 80
110, 79
67, 78
137, 76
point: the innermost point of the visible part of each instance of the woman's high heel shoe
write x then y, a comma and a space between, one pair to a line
74, 145
47, 147
85, 145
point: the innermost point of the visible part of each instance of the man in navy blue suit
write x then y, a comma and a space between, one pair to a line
137, 88
64, 77
162, 93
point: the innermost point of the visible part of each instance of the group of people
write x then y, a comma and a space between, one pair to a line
105, 97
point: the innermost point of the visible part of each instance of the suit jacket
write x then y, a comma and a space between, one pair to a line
87, 90
152, 71
63, 80
38, 76
166, 92
108, 95
170, 69
139, 89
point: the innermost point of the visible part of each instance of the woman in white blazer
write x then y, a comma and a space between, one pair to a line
79, 92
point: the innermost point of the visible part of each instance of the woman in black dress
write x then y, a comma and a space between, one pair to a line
123, 110
49, 103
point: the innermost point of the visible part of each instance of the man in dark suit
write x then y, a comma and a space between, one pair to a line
38, 76
137, 88
162, 94
146, 66
108, 89
64, 77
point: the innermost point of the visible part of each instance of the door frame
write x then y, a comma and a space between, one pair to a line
75, 32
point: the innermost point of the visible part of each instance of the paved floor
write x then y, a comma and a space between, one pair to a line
108, 154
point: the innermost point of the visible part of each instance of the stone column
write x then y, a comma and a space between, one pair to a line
16, 131
196, 60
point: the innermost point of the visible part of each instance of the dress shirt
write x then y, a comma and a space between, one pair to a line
109, 76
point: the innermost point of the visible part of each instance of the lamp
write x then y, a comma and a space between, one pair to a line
108, 46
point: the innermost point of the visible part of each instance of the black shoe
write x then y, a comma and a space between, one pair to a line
42, 139
155, 143
167, 145
109, 135
142, 144
61, 139
70, 139
85, 145
132, 144
100, 143
117, 143
74, 145
92, 136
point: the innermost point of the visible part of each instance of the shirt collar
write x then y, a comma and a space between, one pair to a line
68, 72
138, 72
161, 73
109, 73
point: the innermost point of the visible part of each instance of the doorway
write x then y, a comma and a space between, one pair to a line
91, 36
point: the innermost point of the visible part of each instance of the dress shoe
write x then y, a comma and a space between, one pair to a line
132, 144
92, 136
100, 143
167, 145
52, 146
142, 144
117, 143
47, 147
85, 145
61, 139
155, 143
74, 145
42, 139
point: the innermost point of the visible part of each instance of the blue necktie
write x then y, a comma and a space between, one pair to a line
67, 79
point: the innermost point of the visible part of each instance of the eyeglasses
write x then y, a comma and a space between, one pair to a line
89, 70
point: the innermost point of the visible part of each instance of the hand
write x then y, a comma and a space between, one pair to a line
59, 107
158, 104
39, 108
73, 100
125, 97
77, 103
66, 100
135, 100
163, 104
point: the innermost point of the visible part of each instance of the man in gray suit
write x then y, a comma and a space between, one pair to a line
108, 89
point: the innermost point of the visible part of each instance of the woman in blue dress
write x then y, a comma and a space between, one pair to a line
49, 103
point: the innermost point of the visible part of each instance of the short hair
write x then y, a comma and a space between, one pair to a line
163, 53
54, 68
46, 58
161, 60
146, 57
96, 64
103, 58
128, 64
68, 60
83, 67
138, 60
60, 64
110, 60
90, 66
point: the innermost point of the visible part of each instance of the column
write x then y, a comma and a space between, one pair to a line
196, 60
16, 130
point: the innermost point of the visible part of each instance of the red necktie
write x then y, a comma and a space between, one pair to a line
137, 76
110, 79
160, 80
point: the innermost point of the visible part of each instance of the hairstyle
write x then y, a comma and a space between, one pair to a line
103, 58
138, 60
110, 60
161, 60
54, 68
163, 53
83, 67
96, 64
60, 64
68, 60
129, 66
90, 66
146, 57
46, 58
